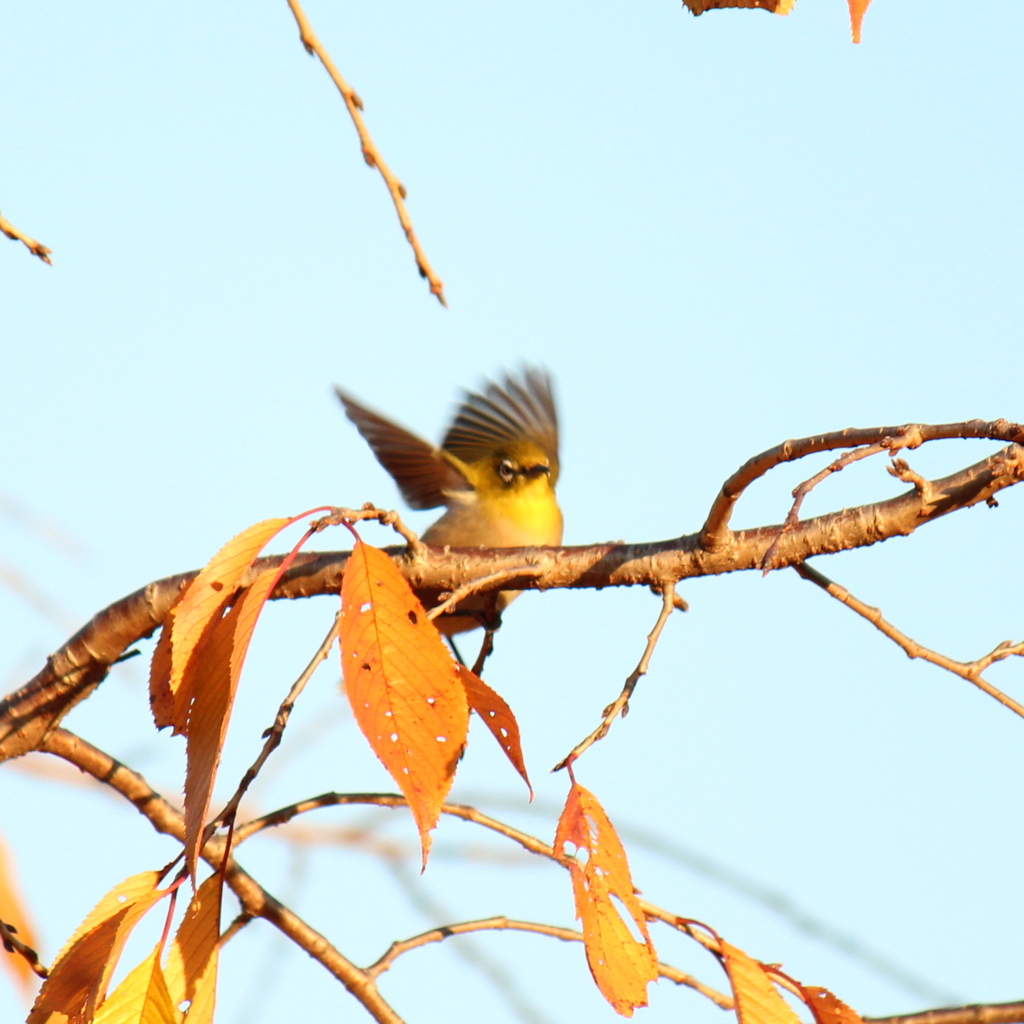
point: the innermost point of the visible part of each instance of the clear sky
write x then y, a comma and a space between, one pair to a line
717, 233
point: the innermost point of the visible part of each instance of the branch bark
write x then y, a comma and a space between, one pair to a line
80, 665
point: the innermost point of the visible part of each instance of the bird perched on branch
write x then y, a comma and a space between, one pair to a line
495, 473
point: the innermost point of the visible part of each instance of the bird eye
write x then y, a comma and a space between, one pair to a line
506, 471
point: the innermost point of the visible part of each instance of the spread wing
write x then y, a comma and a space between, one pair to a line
419, 469
521, 408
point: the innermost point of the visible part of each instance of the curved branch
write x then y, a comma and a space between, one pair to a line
911, 435
502, 923
75, 670
255, 900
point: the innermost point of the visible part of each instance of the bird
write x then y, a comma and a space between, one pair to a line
495, 474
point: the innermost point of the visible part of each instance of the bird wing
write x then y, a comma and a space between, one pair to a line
421, 471
520, 408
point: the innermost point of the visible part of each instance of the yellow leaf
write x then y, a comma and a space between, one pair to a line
757, 999
203, 603
402, 683
191, 971
213, 693
142, 997
79, 977
621, 966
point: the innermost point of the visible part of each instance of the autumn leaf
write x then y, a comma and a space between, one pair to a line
79, 977
13, 913
827, 1008
498, 717
213, 694
191, 971
142, 998
200, 607
757, 999
857, 9
402, 683
621, 966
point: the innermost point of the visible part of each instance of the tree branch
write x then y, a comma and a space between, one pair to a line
979, 1013
74, 671
370, 152
255, 900
34, 247
969, 670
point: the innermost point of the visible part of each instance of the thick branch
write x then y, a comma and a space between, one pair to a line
81, 664
981, 1013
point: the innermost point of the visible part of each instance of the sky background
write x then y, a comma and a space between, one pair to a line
717, 233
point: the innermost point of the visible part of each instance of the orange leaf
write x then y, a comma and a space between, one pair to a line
622, 967
161, 696
203, 602
142, 998
498, 717
857, 9
827, 1008
13, 913
757, 999
191, 971
78, 979
402, 684
213, 693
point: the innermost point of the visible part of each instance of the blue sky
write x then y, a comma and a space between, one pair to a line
717, 233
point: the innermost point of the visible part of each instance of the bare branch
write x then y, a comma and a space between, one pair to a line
980, 1013
481, 583
911, 435
255, 900
621, 703
371, 154
274, 733
507, 924
34, 247
75, 670
969, 670
10, 941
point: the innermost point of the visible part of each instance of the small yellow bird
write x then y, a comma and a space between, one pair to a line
495, 473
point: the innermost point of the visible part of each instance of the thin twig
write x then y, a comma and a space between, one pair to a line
10, 941
34, 247
621, 703
386, 517
969, 670
276, 731
466, 813
501, 923
802, 490
240, 921
370, 152
481, 583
